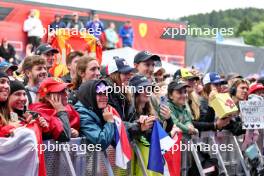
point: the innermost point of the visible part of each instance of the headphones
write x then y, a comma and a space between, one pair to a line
233, 89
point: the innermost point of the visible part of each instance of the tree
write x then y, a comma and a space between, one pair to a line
245, 25
255, 36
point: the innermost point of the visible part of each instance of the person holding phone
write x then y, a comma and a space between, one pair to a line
97, 123
16, 106
145, 117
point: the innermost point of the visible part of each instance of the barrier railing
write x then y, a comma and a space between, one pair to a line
85, 163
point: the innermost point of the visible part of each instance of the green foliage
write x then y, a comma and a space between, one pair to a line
247, 23
255, 36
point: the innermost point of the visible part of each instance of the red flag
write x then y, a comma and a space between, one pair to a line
173, 157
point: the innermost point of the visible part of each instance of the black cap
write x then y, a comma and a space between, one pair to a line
4, 66
177, 85
3, 75
16, 86
144, 56
139, 81
44, 48
233, 76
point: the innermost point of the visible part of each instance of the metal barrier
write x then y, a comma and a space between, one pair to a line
78, 162
233, 160
208, 138
85, 163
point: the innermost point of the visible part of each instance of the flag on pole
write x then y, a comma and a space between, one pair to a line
173, 157
123, 149
160, 143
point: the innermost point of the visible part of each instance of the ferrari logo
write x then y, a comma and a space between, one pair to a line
143, 28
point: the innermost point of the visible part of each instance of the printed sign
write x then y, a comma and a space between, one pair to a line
252, 113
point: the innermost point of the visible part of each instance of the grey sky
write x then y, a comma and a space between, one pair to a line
159, 8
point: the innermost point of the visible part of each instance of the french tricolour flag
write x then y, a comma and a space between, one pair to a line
160, 143
123, 149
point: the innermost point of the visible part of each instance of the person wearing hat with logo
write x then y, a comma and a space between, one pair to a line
119, 74
144, 62
97, 123
63, 119
181, 116
8, 68
192, 80
207, 120
47, 52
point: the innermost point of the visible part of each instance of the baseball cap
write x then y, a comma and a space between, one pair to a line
177, 85
213, 78
233, 76
184, 73
44, 48
159, 69
255, 87
139, 81
52, 85
120, 65
144, 56
4, 66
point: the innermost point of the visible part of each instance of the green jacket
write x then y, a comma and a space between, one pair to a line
181, 117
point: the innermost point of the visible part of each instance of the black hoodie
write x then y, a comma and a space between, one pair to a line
87, 96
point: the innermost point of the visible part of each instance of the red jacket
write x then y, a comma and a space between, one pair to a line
50, 115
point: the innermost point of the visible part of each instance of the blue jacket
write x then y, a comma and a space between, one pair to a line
127, 40
96, 28
92, 127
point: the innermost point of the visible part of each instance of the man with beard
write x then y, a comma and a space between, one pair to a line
35, 70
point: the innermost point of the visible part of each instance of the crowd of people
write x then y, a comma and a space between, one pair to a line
109, 37
77, 105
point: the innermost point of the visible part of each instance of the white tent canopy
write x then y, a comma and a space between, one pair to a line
129, 54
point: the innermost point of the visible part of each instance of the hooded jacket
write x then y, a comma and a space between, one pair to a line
92, 125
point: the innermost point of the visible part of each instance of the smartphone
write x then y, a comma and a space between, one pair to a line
163, 100
35, 115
